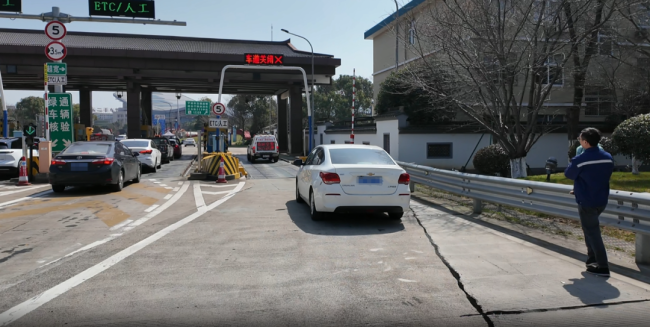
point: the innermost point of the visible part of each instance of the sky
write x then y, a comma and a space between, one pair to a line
333, 27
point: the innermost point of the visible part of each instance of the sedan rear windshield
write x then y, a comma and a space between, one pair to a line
358, 156
135, 144
160, 141
87, 148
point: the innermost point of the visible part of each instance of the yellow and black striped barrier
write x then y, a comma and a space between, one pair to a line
211, 162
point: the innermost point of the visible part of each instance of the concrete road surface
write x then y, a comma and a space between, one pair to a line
246, 254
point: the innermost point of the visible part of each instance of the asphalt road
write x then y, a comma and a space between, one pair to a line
172, 252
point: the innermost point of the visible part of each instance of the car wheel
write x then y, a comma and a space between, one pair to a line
58, 188
395, 215
315, 215
138, 175
298, 197
120, 183
155, 167
252, 160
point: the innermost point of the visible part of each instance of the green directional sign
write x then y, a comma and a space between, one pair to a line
61, 126
199, 108
11, 5
56, 68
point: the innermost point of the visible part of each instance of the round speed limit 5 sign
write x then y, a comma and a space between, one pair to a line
55, 30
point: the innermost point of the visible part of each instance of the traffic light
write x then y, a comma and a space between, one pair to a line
29, 132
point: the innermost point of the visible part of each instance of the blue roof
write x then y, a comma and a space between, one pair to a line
402, 11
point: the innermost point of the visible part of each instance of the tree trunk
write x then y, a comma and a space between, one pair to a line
635, 166
518, 168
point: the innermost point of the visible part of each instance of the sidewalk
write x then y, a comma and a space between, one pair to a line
516, 282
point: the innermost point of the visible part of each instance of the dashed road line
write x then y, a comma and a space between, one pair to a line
175, 189
34, 303
215, 193
168, 196
152, 208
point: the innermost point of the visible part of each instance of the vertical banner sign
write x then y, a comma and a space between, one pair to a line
60, 116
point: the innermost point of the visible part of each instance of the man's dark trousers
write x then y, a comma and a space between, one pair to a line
593, 238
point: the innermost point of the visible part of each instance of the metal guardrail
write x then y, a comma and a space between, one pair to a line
626, 210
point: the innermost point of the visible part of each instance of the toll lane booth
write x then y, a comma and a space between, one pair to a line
217, 139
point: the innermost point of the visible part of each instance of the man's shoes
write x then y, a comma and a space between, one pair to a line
591, 262
598, 271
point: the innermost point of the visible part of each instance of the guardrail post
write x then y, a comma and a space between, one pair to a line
412, 186
642, 248
478, 206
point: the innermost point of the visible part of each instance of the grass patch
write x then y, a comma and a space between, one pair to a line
623, 181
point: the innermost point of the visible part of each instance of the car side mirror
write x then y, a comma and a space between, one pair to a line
297, 162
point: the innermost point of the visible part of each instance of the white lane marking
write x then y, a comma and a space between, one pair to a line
169, 187
152, 208
156, 182
163, 185
162, 207
215, 193
180, 183
152, 179
406, 280
175, 189
198, 196
33, 196
120, 225
375, 250
168, 196
206, 185
23, 189
32, 304
128, 227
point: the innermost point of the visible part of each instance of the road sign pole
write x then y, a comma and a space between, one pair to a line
56, 12
30, 174
5, 113
47, 114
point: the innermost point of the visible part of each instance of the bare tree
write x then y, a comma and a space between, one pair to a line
500, 60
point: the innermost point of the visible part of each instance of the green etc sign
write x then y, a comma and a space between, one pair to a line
124, 8
59, 109
11, 5
199, 108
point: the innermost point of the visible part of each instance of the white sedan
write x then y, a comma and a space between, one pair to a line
352, 179
149, 156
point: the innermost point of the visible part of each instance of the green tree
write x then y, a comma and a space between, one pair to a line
334, 102
242, 110
421, 108
632, 137
27, 109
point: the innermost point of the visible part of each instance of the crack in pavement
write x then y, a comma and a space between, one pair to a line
574, 307
472, 300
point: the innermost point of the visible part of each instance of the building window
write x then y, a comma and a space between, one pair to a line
321, 138
412, 33
348, 142
606, 43
599, 101
387, 143
332, 142
439, 151
554, 70
366, 143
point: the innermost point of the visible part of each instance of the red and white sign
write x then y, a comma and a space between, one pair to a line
55, 30
218, 109
55, 51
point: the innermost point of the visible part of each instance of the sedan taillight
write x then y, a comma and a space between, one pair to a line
58, 162
404, 179
330, 178
146, 151
105, 161
253, 148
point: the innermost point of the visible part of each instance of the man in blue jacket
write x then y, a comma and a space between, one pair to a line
591, 172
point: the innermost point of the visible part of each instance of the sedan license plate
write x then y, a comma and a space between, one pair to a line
76, 166
370, 180
265, 156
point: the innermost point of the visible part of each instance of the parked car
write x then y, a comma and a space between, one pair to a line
265, 147
166, 149
176, 144
149, 156
352, 179
11, 150
94, 163
188, 142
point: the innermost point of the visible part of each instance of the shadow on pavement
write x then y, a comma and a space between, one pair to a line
342, 225
82, 191
642, 276
591, 289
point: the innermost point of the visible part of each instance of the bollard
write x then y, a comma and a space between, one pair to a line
478, 206
642, 249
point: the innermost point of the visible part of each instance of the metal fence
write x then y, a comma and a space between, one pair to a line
626, 210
